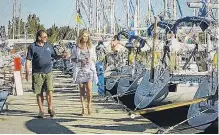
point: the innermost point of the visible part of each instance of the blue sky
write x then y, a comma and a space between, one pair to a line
62, 12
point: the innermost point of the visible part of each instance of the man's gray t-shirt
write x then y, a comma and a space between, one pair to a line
41, 57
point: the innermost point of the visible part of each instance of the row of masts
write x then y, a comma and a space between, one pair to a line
16, 14
102, 14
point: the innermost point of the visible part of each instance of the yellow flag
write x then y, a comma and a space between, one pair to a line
156, 58
78, 19
215, 59
131, 58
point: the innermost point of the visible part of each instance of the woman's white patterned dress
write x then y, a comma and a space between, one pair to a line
86, 70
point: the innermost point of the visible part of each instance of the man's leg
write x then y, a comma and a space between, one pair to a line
37, 81
40, 100
49, 98
49, 93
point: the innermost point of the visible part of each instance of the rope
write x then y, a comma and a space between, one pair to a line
194, 116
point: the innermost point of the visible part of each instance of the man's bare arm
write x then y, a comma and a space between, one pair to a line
27, 66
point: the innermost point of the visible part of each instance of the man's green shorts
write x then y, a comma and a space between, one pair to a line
42, 82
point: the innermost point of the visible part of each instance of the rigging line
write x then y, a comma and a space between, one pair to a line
89, 21
194, 116
152, 10
132, 9
104, 14
180, 9
191, 127
212, 15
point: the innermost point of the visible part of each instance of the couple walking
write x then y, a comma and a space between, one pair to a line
40, 54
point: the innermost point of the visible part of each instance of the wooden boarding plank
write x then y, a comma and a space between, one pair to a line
173, 105
118, 76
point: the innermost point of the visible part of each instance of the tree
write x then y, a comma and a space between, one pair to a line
16, 31
67, 33
33, 24
52, 34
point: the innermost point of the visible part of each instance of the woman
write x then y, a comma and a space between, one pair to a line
84, 55
116, 46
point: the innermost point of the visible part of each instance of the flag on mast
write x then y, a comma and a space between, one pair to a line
78, 17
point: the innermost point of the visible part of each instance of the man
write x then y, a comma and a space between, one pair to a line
115, 45
65, 59
40, 53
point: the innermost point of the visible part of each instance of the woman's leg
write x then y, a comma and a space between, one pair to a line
82, 97
89, 96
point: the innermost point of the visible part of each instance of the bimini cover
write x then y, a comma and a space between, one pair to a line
124, 33
131, 38
161, 24
203, 23
139, 39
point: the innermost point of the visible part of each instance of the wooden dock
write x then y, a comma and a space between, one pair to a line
108, 117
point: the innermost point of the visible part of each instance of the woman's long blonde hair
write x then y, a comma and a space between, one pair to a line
81, 33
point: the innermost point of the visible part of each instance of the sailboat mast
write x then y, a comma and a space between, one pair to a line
149, 11
19, 18
97, 16
136, 17
165, 9
77, 8
91, 14
174, 10
138, 12
112, 16
128, 13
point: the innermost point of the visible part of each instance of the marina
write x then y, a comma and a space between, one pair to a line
157, 69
